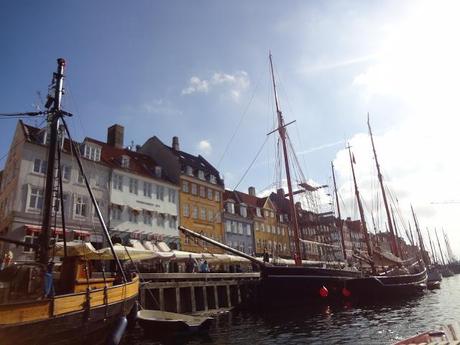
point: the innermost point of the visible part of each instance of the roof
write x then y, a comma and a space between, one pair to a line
139, 163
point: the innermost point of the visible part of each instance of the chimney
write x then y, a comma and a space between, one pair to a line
280, 192
115, 136
252, 191
175, 144
298, 205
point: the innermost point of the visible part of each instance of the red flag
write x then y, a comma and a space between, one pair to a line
353, 158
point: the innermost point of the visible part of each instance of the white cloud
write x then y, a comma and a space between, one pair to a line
230, 85
204, 147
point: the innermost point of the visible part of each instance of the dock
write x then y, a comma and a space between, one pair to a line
197, 292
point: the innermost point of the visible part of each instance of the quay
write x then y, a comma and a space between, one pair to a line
197, 292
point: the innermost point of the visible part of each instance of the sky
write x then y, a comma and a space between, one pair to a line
200, 70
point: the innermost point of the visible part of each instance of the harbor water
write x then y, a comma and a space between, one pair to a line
327, 324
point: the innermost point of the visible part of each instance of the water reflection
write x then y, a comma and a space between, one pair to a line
348, 323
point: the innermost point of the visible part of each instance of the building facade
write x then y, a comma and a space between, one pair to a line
200, 196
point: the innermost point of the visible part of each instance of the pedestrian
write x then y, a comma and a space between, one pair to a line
190, 264
204, 268
266, 257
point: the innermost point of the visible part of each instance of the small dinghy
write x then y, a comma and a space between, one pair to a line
163, 323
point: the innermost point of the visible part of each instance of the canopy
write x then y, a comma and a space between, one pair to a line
87, 251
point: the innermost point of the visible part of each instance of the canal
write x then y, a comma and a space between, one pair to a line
344, 324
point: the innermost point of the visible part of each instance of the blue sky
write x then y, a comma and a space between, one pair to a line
194, 69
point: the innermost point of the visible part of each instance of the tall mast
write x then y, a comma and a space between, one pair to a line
361, 213
420, 238
53, 120
394, 245
433, 252
338, 213
396, 233
282, 133
448, 248
439, 245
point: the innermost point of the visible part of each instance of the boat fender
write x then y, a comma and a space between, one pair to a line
346, 292
132, 316
323, 292
118, 330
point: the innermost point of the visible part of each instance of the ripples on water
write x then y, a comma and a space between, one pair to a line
347, 324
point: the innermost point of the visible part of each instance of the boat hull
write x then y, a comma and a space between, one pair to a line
296, 285
378, 287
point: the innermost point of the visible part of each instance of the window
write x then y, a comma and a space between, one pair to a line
201, 174
116, 213
194, 189
228, 226
189, 170
234, 227
81, 178
185, 188
258, 213
147, 189
195, 212
172, 222
100, 181
147, 218
124, 161
158, 171
202, 192
248, 229
210, 216
133, 185
40, 166
262, 227
243, 211
203, 213
117, 182
230, 207
171, 195
160, 192
66, 172
272, 214
31, 241
100, 203
133, 216
92, 152
240, 228
161, 220
212, 179
36, 198
217, 196
81, 206
256, 226
210, 194
217, 217
186, 210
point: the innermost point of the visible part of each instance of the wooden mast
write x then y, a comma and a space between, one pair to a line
361, 213
339, 215
420, 238
282, 133
394, 245
439, 246
53, 120
433, 252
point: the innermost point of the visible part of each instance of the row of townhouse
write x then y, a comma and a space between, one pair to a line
145, 193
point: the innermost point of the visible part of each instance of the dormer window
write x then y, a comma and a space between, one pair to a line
92, 152
230, 207
158, 172
201, 174
258, 212
124, 161
243, 211
213, 179
189, 170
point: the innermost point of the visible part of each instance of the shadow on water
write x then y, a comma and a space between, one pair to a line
348, 323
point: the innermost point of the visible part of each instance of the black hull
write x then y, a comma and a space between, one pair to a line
296, 285
69, 329
380, 287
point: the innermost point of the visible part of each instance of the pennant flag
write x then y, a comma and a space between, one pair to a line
353, 158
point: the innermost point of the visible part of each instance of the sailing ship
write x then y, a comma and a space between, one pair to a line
42, 306
400, 281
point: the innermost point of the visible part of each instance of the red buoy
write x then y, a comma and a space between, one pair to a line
346, 292
323, 291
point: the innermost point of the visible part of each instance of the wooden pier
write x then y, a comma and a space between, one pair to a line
196, 292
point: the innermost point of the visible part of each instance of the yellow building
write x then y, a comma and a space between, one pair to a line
201, 191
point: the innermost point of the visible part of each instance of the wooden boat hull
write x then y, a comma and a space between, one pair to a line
284, 285
67, 320
378, 287
159, 324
